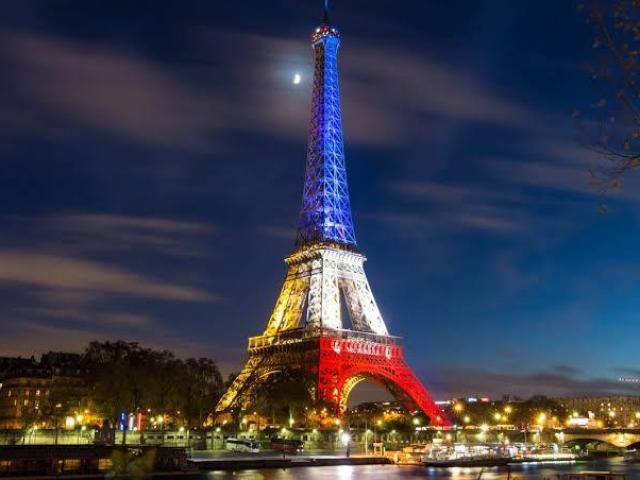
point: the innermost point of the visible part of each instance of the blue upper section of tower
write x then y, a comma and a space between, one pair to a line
326, 208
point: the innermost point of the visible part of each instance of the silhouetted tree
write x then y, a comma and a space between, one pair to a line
203, 388
126, 377
62, 400
114, 377
284, 393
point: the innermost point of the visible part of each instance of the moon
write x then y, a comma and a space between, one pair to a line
297, 78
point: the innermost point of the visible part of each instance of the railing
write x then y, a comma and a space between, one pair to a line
296, 335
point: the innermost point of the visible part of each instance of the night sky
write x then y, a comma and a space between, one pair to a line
152, 165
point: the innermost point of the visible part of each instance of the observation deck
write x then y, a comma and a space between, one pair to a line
302, 334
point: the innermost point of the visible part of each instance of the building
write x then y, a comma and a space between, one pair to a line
40, 393
606, 411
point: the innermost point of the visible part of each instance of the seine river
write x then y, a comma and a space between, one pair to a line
391, 472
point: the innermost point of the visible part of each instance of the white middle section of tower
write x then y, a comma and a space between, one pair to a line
311, 296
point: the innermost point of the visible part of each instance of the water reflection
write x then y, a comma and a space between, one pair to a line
392, 472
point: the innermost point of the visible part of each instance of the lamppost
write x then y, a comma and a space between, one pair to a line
215, 437
416, 425
366, 441
345, 437
257, 420
366, 435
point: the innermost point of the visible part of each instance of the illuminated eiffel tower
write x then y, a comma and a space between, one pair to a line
306, 329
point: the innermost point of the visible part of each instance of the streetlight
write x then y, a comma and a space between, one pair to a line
366, 441
215, 438
346, 442
416, 424
379, 425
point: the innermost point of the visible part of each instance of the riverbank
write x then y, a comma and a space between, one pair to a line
84, 461
167, 462
41, 461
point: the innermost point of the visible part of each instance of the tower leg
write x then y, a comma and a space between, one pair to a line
239, 384
409, 385
345, 363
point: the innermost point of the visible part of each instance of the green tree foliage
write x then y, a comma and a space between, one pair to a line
126, 377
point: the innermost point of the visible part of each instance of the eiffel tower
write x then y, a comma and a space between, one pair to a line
306, 329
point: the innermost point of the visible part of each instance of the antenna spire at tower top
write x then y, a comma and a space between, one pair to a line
325, 14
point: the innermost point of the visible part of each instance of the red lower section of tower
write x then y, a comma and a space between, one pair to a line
344, 362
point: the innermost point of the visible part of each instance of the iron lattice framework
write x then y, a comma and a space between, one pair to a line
326, 209
306, 329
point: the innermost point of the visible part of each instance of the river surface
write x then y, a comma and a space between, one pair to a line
393, 472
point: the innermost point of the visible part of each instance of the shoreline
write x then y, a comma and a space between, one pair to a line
85, 462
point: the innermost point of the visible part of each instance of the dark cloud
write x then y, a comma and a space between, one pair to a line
96, 232
557, 381
45, 336
77, 282
56, 87
456, 207
66, 273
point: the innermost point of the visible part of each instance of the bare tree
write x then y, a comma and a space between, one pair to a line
612, 123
